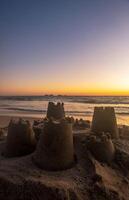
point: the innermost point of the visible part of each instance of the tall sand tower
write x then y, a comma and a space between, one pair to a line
104, 120
55, 148
55, 111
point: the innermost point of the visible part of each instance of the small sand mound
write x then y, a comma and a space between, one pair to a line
102, 148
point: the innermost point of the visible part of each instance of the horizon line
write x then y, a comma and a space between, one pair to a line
56, 95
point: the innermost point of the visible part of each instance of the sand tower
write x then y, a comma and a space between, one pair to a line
102, 148
104, 120
55, 111
55, 148
20, 138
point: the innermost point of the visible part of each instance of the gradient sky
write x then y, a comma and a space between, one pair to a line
64, 47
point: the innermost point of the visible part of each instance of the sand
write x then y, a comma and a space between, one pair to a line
88, 179
4, 120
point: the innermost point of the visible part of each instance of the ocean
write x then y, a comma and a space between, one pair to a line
76, 106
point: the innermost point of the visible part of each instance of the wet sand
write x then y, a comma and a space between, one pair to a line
4, 120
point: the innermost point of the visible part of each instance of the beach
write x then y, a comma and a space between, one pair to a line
87, 179
38, 167
35, 107
64, 100
4, 120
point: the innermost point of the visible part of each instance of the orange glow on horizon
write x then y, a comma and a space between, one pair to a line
64, 90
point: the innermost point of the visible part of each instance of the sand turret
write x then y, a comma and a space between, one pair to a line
20, 138
124, 132
102, 148
55, 148
104, 120
55, 111
81, 124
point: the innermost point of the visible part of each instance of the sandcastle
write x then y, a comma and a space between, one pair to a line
81, 124
55, 111
104, 120
20, 138
102, 147
38, 128
55, 148
124, 132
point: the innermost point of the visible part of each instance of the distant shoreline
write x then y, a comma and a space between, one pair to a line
74, 99
75, 106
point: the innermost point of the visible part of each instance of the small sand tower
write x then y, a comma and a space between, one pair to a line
20, 139
55, 147
55, 111
102, 148
104, 120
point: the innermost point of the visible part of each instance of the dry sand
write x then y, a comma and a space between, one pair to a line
88, 179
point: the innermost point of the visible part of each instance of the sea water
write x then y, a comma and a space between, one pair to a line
76, 106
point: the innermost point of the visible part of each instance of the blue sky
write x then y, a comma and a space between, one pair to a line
64, 46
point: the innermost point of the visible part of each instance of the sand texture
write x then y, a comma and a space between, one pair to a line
88, 179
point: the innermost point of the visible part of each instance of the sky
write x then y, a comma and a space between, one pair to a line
73, 47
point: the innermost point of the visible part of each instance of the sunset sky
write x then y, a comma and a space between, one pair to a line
76, 47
